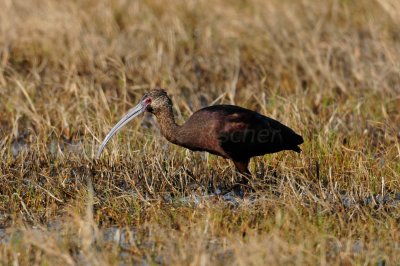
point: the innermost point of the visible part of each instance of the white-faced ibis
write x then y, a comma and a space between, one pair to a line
229, 131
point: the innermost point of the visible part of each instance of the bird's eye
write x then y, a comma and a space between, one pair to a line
147, 101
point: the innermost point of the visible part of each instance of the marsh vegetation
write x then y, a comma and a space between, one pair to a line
70, 69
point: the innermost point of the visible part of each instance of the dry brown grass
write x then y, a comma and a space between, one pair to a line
70, 69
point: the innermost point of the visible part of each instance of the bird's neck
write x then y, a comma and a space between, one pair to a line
169, 128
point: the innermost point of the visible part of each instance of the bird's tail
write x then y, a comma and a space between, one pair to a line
295, 141
298, 140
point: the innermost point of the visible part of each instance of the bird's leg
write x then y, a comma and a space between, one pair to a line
242, 167
243, 186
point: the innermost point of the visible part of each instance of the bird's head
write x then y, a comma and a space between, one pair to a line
154, 101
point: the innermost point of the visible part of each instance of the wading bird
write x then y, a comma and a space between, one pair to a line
229, 131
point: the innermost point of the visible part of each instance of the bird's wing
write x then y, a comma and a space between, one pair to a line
246, 134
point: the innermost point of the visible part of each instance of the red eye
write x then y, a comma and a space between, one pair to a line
147, 101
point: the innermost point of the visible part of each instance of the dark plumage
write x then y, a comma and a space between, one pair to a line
229, 131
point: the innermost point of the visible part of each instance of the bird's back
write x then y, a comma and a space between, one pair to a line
239, 133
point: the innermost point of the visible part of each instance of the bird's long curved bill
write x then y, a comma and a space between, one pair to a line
135, 111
